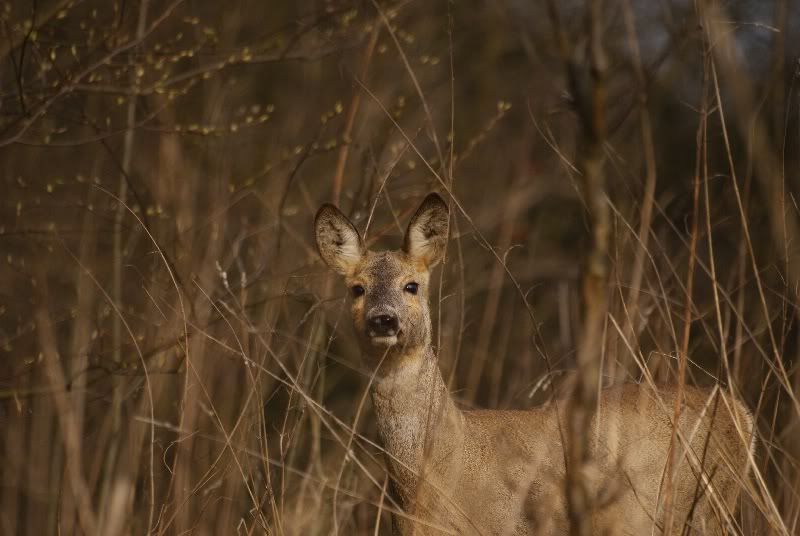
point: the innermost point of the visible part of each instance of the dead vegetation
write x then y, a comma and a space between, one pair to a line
175, 358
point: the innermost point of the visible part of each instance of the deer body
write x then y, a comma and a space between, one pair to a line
502, 472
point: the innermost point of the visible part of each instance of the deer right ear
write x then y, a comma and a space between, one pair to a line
338, 241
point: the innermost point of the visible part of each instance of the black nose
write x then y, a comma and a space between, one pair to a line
382, 325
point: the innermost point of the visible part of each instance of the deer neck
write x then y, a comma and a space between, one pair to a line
420, 426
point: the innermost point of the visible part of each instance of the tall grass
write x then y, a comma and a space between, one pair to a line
176, 359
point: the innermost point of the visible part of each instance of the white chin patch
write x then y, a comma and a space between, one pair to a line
389, 340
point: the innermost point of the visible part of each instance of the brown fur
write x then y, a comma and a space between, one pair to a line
502, 472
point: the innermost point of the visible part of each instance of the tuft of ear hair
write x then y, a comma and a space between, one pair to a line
338, 241
426, 237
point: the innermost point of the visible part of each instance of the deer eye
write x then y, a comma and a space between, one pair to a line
411, 288
357, 290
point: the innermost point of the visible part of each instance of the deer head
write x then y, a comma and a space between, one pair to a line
389, 289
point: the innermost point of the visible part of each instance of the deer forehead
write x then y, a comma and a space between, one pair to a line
387, 268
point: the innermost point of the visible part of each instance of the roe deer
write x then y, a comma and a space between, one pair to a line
502, 472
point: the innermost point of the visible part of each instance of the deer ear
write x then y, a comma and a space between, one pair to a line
426, 237
338, 241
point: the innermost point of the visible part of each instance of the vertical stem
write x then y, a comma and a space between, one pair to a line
683, 352
646, 213
494, 296
355, 102
79, 346
118, 261
590, 93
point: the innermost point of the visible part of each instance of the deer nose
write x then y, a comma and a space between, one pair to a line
383, 325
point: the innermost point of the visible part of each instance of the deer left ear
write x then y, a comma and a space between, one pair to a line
426, 237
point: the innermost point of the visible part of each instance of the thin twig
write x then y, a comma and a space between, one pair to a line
352, 110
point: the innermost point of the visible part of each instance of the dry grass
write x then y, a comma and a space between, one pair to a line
176, 359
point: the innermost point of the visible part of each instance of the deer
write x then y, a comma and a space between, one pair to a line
461, 471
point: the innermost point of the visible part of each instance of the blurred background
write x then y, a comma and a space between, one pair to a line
175, 358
